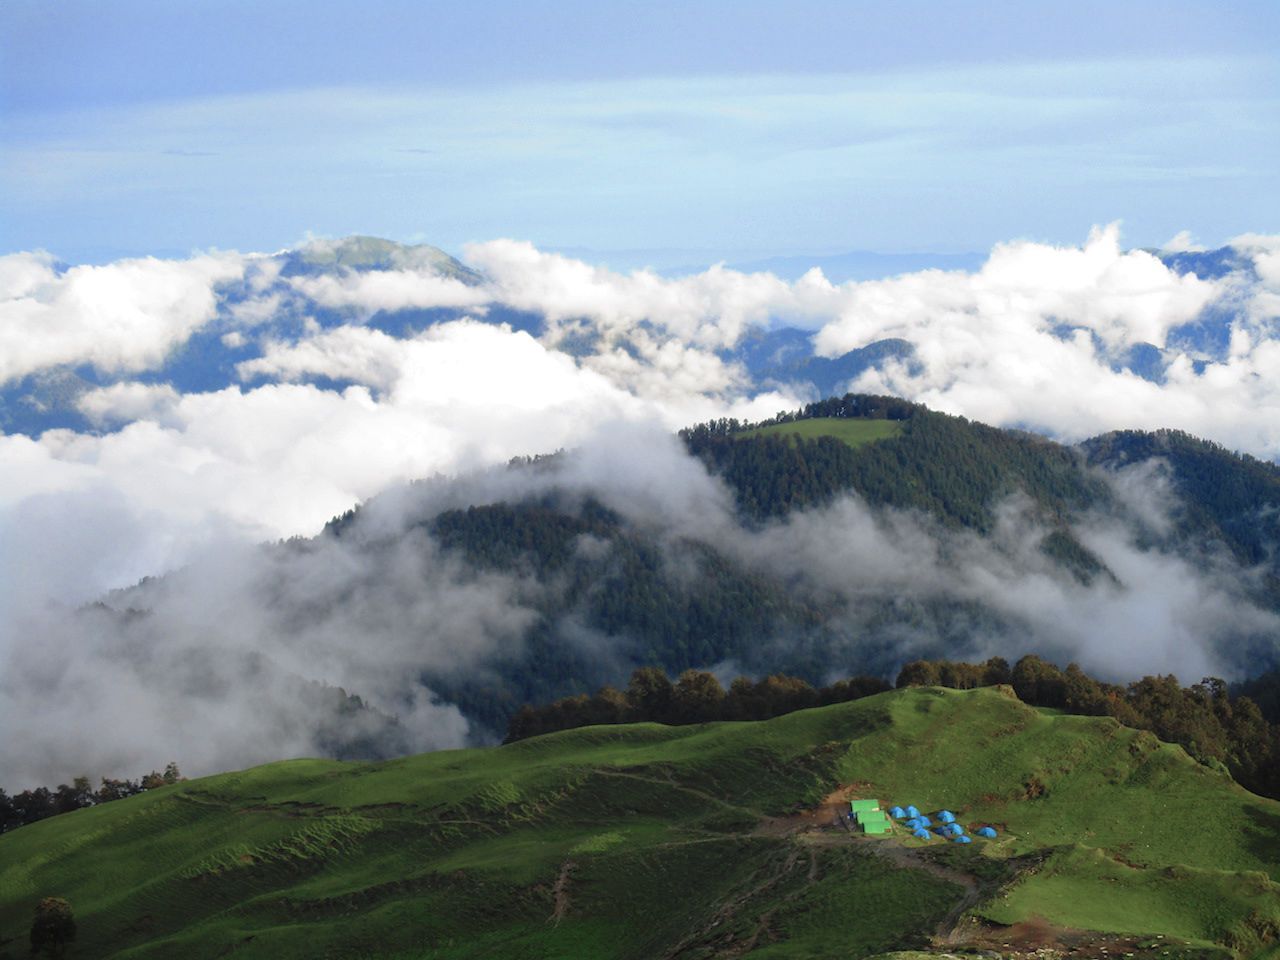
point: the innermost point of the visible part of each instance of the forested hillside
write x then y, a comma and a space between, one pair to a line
949, 467
619, 587
1234, 496
680, 602
804, 545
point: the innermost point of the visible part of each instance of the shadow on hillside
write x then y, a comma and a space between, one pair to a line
1263, 832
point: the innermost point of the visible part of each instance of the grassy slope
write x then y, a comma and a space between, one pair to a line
648, 834
853, 432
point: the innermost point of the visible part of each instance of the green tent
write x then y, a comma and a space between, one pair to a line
870, 817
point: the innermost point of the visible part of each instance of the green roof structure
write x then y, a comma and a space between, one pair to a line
874, 822
870, 817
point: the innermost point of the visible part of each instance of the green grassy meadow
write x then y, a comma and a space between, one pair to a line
650, 841
853, 432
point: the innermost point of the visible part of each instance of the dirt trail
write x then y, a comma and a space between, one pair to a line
913, 860
830, 812
670, 781
561, 892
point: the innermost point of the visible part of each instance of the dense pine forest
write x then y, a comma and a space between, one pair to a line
942, 467
949, 467
958, 471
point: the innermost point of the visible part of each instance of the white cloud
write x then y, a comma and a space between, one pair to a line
1163, 615
125, 316
389, 290
1012, 344
709, 309
346, 353
212, 673
281, 457
125, 402
1024, 291
1182, 242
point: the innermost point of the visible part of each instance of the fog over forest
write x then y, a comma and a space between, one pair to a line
194, 410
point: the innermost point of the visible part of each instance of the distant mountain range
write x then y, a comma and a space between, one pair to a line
769, 354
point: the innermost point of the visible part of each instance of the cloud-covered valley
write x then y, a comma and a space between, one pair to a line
162, 417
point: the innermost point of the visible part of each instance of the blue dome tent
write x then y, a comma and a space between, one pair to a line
897, 813
921, 833
946, 816
913, 824
985, 831
912, 812
925, 821
962, 839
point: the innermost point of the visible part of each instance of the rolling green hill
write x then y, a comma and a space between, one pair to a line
703, 841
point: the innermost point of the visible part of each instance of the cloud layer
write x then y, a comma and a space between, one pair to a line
123, 317
323, 406
313, 391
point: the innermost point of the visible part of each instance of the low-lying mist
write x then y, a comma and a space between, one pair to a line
211, 664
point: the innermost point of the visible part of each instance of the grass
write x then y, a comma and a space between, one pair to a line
635, 841
1081, 887
855, 433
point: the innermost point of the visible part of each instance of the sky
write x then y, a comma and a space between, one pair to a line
661, 134
155, 158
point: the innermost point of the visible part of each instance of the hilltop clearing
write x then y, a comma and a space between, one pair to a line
852, 433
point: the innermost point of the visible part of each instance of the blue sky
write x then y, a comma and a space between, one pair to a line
666, 132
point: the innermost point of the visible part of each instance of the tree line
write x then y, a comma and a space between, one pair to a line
41, 803
1215, 725
695, 696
